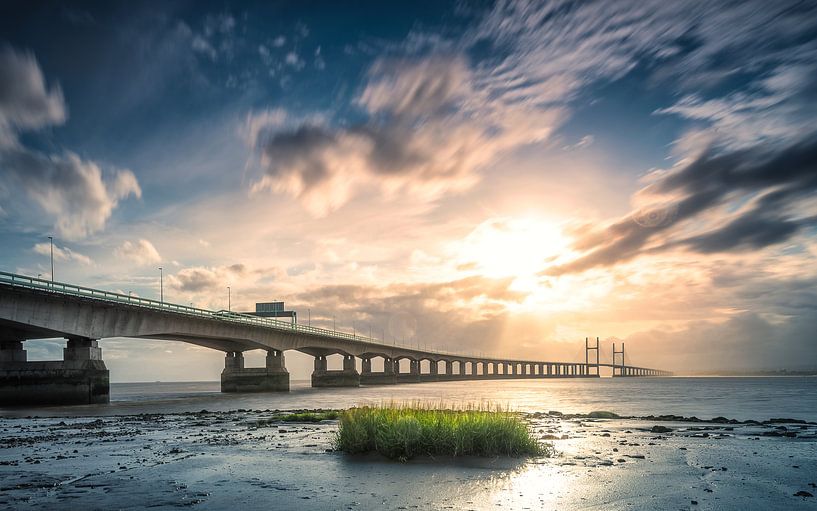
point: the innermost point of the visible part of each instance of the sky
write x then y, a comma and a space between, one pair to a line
495, 178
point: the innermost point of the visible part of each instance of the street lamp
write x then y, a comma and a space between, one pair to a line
161, 286
229, 304
333, 323
309, 317
51, 241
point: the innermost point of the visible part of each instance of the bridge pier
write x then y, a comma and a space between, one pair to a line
368, 377
274, 377
80, 378
346, 377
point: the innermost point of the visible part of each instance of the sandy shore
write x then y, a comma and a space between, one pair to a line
247, 460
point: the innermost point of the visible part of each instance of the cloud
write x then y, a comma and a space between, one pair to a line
292, 59
774, 108
425, 135
766, 189
744, 342
201, 45
552, 50
466, 314
26, 103
62, 253
434, 120
201, 279
72, 191
142, 252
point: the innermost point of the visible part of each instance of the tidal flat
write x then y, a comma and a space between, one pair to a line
248, 459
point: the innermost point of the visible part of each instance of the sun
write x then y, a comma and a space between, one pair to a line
517, 247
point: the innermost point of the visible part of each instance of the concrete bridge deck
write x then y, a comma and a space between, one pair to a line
33, 308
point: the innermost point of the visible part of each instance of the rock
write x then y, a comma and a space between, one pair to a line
785, 421
660, 429
694, 502
601, 414
802, 493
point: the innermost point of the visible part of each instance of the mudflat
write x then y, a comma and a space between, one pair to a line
248, 459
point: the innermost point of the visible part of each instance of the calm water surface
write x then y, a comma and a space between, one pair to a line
739, 398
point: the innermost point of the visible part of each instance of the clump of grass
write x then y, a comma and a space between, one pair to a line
310, 416
403, 432
301, 416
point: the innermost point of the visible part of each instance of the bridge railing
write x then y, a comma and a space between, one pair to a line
63, 288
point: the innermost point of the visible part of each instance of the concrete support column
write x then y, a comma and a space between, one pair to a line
80, 349
12, 351
275, 361
346, 377
234, 360
273, 377
414, 367
388, 365
432, 367
462, 368
366, 365
549, 370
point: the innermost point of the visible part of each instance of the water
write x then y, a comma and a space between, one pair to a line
738, 398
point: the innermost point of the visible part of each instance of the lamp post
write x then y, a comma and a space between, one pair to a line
161, 286
333, 323
229, 300
309, 317
51, 241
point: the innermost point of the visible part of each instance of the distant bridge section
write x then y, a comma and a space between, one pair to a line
33, 308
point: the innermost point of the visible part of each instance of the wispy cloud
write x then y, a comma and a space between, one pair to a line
62, 253
141, 252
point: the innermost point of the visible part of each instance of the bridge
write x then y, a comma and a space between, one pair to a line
32, 308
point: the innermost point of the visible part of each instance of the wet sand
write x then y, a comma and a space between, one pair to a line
248, 460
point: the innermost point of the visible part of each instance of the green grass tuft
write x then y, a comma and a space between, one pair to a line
403, 432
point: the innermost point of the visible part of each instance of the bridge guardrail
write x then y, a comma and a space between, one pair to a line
73, 290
